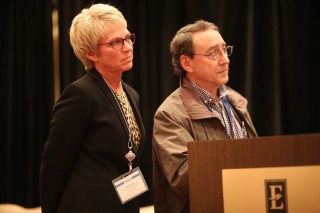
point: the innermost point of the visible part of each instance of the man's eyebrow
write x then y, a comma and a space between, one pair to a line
211, 48
215, 47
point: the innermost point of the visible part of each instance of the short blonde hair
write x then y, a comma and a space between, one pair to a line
182, 43
88, 27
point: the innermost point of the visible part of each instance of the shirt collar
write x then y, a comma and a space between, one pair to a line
205, 95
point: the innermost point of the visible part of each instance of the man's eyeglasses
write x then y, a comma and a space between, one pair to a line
217, 53
118, 43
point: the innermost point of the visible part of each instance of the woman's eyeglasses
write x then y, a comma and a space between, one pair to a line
118, 43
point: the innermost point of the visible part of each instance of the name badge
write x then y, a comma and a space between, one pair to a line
129, 186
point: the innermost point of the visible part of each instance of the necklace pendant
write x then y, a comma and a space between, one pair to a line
130, 156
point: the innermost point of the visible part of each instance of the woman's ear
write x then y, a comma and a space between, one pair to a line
91, 55
186, 63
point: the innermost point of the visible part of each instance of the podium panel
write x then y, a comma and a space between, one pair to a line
211, 162
293, 189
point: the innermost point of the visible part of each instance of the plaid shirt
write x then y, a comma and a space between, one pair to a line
235, 131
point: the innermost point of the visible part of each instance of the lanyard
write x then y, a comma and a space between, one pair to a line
130, 156
227, 106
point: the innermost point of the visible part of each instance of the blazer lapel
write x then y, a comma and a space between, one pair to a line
109, 94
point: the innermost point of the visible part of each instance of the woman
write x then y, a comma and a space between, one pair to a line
95, 122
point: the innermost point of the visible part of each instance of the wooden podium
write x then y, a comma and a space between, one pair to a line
207, 160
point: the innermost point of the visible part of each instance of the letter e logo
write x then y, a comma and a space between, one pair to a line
276, 196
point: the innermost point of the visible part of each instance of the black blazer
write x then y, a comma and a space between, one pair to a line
86, 149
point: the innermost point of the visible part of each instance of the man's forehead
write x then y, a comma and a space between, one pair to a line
207, 39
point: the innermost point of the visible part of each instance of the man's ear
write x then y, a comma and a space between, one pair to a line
186, 63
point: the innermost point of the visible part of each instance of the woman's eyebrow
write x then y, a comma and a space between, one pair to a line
118, 37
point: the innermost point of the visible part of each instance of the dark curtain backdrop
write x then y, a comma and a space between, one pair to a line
26, 83
274, 65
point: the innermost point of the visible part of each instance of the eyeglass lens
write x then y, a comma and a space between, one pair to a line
118, 44
228, 50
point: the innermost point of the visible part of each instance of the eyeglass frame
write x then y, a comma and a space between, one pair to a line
215, 53
128, 39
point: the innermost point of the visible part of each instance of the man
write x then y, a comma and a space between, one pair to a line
202, 108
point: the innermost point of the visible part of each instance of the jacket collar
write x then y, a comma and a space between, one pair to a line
197, 109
